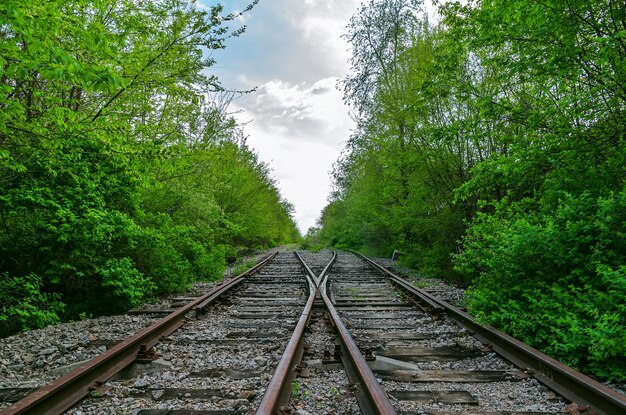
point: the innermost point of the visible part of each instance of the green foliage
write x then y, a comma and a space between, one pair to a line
297, 390
496, 140
311, 240
551, 229
559, 278
414, 144
24, 305
243, 267
127, 283
121, 174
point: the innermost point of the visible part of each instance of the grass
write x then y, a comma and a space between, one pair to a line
244, 266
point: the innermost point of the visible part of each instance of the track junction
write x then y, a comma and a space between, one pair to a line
314, 333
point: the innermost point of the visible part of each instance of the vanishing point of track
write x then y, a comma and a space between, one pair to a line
380, 320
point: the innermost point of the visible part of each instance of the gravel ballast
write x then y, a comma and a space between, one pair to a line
238, 370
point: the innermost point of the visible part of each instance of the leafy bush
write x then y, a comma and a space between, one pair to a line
120, 176
243, 267
23, 305
490, 107
556, 281
128, 285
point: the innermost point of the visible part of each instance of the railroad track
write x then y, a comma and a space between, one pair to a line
428, 357
375, 345
212, 356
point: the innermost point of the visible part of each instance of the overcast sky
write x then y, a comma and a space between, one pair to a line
293, 53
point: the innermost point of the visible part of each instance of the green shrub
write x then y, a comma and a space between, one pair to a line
101, 205
243, 267
158, 259
129, 286
23, 306
556, 281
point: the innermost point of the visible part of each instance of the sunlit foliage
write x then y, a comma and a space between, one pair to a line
490, 148
121, 174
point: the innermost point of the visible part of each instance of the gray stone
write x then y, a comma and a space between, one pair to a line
141, 382
50, 350
156, 394
248, 394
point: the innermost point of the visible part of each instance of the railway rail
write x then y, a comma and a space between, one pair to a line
220, 357
240, 348
426, 353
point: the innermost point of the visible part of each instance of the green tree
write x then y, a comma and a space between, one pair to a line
415, 93
548, 242
496, 135
111, 131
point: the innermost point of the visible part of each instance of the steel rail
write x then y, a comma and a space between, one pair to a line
569, 383
209, 298
374, 399
424, 297
327, 269
66, 391
279, 388
308, 270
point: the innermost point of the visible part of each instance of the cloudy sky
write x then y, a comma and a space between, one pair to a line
293, 54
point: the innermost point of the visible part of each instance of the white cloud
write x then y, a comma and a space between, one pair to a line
321, 24
304, 112
293, 53
299, 130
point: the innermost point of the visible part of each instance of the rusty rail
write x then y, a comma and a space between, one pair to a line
279, 388
206, 300
327, 269
372, 398
569, 383
69, 389
422, 296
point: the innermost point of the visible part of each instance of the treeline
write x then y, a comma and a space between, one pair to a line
490, 148
122, 175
